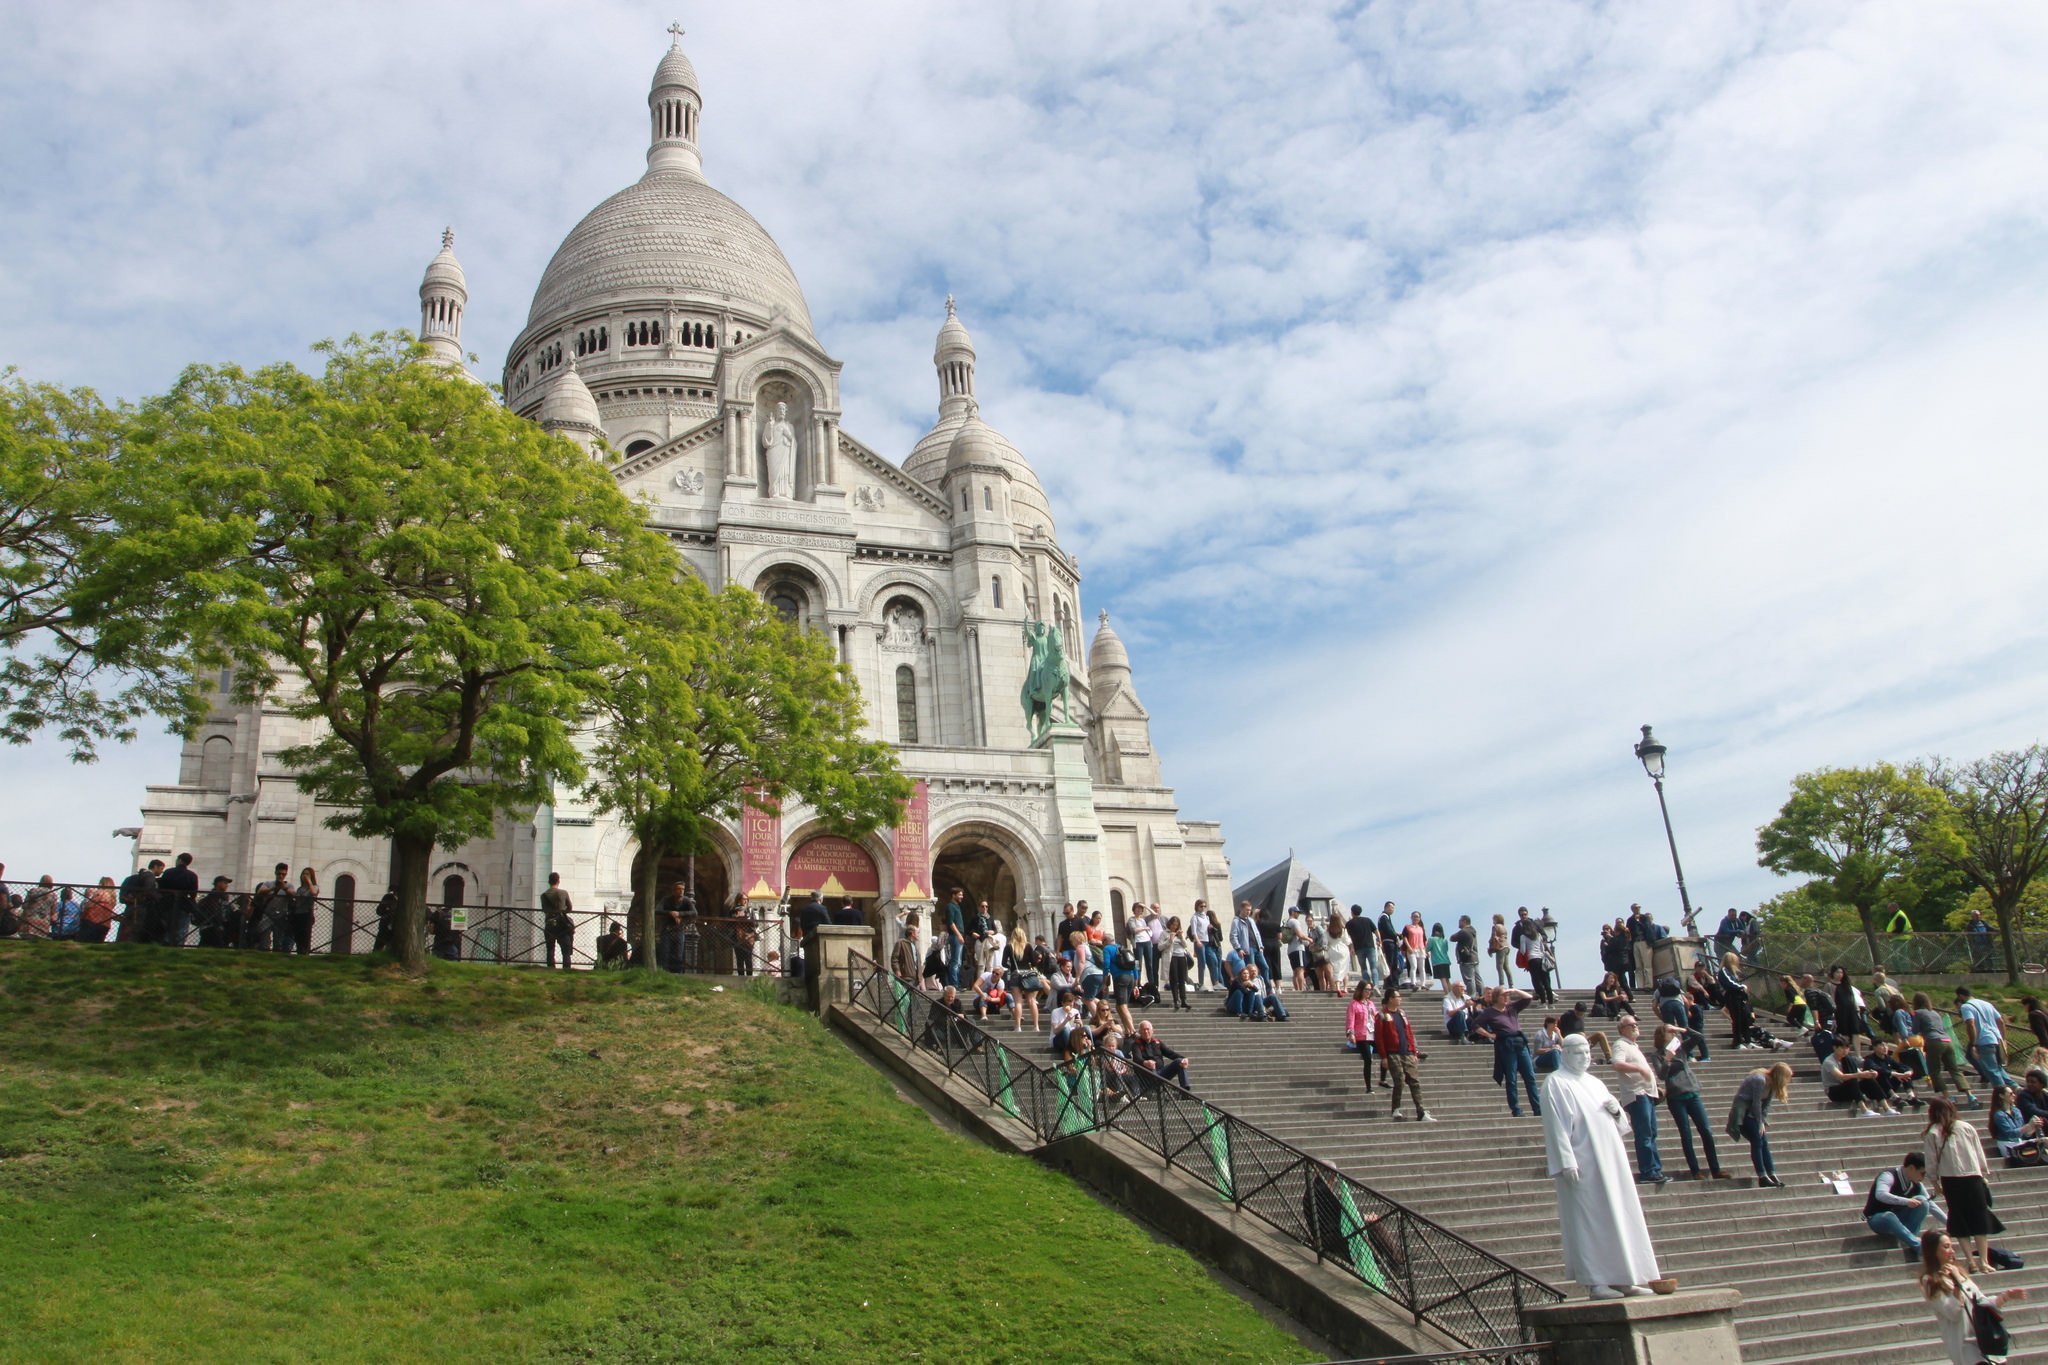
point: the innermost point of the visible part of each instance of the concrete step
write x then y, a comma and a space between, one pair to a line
1816, 1286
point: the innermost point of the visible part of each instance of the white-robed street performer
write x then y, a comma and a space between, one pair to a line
1606, 1241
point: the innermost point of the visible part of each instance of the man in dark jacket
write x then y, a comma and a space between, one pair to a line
1156, 1058
177, 889
138, 903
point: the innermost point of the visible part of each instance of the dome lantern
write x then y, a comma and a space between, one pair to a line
673, 106
444, 293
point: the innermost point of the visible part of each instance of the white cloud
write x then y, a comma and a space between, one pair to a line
1459, 385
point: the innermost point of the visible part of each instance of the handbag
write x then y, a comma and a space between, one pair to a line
1522, 961
1987, 1325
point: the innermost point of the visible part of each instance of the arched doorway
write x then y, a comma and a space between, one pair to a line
703, 873
979, 865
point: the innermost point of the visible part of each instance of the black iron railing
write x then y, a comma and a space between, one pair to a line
717, 945
1435, 1275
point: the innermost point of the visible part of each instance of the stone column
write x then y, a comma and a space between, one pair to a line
1693, 1328
1083, 864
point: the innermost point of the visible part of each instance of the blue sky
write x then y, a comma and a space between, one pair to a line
1434, 393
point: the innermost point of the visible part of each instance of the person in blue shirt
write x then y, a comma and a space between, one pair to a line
69, 909
1986, 1031
1729, 935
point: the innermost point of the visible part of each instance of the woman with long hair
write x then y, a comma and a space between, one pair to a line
1180, 957
1955, 1157
1749, 1117
1956, 1298
1337, 950
1735, 1001
1361, 1018
1497, 944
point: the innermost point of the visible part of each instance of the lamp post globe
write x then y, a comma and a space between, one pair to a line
1651, 753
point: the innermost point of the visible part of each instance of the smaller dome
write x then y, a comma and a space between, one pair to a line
675, 69
568, 402
1107, 652
444, 271
953, 336
978, 443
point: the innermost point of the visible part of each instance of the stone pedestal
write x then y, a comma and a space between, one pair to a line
837, 945
1692, 1328
1084, 864
1676, 956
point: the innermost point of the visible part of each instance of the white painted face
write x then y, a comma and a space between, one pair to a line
1578, 1054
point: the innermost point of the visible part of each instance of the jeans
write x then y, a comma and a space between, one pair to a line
1209, 966
1511, 1059
1148, 958
1092, 985
1273, 1005
1984, 1057
1642, 1117
1687, 1113
953, 947
1759, 1146
563, 938
1457, 1025
1244, 1002
1469, 973
1901, 1225
1502, 960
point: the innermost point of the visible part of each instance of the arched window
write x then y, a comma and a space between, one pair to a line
216, 762
635, 447
787, 603
996, 590
906, 705
451, 890
988, 498
342, 939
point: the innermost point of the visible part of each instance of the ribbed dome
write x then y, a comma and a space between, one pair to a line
568, 402
1107, 652
669, 233
444, 270
927, 459
675, 69
978, 443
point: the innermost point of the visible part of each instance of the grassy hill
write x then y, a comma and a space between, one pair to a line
210, 1155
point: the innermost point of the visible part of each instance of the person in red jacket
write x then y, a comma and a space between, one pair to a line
1394, 1039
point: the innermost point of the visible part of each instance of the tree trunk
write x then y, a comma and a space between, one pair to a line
411, 858
2005, 915
650, 880
1863, 912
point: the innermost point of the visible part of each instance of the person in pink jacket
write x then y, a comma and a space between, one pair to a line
1360, 1019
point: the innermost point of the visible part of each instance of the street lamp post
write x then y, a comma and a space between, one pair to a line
1651, 752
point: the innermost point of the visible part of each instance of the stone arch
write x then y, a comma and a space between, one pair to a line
1020, 847
336, 918
773, 557
920, 588
216, 763
772, 367
618, 849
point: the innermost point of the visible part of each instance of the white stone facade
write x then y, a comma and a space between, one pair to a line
670, 337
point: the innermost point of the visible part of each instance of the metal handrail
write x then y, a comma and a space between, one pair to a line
1437, 1276
1527, 1353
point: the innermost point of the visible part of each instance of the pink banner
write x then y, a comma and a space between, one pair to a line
832, 866
913, 847
761, 851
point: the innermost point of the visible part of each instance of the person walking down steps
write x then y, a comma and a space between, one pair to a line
1396, 1044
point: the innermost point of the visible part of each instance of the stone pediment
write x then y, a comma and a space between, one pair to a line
649, 460
869, 462
1122, 704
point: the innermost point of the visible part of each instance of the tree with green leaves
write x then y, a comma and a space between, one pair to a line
60, 479
1852, 830
388, 553
1991, 824
1808, 908
715, 699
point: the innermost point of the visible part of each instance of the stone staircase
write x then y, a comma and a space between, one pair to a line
1816, 1285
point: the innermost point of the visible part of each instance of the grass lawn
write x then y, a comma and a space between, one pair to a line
211, 1156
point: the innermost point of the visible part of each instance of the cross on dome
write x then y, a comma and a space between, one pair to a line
448, 239
675, 29
949, 305
1103, 616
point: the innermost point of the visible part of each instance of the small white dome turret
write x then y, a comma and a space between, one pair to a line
673, 105
444, 293
570, 410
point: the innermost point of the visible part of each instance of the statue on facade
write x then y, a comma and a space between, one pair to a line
905, 627
778, 447
1606, 1241
1046, 678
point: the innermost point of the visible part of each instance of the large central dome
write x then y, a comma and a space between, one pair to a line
668, 240
669, 234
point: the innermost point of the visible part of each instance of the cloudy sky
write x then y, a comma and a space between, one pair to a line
1434, 393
